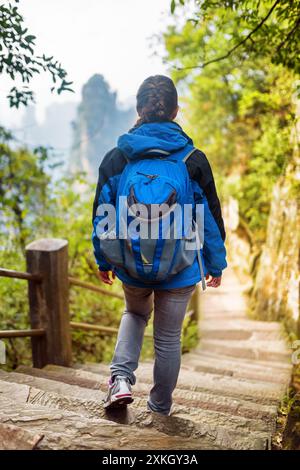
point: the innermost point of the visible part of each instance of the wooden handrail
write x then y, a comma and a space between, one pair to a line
21, 333
103, 329
20, 275
92, 287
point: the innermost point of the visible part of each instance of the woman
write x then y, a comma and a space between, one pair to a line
156, 135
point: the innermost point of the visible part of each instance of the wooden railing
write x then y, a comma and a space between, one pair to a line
48, 293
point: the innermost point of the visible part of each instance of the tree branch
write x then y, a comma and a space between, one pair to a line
239, 44
291, 32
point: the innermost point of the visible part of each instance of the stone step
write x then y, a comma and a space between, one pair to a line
212, 314
258, 349
228, 368
225, 430
187, 378
277, 366
240, 330
83, 374
214, 303
63, 430
195, 362
261, 392
92, 399
234, 334
215, 359
16, 438
226, 397
103, 368
246, 324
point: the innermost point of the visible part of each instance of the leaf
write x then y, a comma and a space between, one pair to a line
17, 28
18, 57
30, 38
173, 6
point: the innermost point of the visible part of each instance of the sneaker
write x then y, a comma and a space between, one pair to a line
119, 393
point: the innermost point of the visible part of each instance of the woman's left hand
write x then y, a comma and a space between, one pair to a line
213, 281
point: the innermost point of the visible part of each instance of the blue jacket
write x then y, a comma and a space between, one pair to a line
168, 136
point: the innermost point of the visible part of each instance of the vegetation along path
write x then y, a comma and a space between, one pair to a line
227, 395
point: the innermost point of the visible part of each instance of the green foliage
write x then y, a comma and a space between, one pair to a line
269, 112
19, 60
33, 206
289, 414
267, 28
189, 335
24, 198
24, 192
239, 111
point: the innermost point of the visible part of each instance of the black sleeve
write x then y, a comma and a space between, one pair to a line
112, 164
200, 171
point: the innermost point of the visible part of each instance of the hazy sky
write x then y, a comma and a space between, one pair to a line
111, 37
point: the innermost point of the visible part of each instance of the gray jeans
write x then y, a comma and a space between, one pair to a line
169, 311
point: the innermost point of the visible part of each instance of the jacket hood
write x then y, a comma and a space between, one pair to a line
153, 138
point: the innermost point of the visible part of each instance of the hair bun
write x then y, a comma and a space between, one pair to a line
156, 99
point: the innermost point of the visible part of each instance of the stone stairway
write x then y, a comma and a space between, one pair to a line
227, 394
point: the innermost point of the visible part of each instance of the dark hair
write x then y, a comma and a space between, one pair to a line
156, 99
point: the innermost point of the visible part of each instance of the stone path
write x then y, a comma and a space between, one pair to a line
227, 395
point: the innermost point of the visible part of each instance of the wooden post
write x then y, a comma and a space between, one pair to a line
49, 301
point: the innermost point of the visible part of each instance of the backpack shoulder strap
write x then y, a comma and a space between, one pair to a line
187, 156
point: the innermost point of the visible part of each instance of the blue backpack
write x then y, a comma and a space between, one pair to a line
146, 183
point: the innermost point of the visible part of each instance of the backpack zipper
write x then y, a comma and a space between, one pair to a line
150, 177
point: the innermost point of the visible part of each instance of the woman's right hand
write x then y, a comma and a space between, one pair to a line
104, 276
